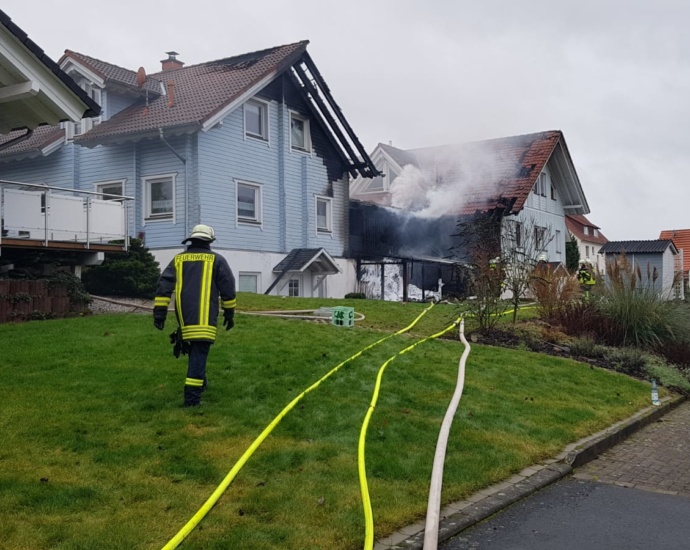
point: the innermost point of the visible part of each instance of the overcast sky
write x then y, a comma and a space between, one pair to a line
613, 75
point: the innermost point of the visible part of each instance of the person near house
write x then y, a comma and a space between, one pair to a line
201, 280
586, 279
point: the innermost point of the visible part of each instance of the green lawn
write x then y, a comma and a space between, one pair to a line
98, 453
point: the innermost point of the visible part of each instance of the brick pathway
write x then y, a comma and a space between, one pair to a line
656, 458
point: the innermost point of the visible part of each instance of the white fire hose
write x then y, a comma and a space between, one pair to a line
433, 510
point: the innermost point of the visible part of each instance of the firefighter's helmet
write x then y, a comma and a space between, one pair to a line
203, 233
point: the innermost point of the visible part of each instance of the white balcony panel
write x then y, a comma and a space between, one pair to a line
66, 218
23, 214
106, 220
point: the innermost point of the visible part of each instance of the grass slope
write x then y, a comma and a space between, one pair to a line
98, 453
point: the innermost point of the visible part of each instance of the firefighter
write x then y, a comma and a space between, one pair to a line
586, 278
200, 279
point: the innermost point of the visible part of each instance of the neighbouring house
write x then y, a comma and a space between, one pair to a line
253, 145
589, 239
410, 212
36, 95
681, 238
657, 264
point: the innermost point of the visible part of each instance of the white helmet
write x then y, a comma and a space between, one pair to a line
203, 233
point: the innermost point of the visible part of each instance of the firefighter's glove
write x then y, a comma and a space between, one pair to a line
180, 347
229, 318
159, 315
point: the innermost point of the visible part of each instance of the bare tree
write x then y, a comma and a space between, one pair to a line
523, 247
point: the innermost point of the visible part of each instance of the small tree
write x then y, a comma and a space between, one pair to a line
572, 254
523, 245
133, 273
479, 245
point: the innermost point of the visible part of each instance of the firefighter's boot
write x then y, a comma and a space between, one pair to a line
193, 389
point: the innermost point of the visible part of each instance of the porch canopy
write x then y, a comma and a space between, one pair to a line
315, 260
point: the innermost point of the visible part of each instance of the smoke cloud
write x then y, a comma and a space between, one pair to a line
448, 178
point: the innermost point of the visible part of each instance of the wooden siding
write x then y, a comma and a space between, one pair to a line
289, 179
55, 169
114, 103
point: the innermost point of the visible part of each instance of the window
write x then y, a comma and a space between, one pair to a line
585, 229
587, 251
256, 119
553, 192
159, 197
596, 232
540, 186
294, 287
248, 202
110, 188
300, 137
539, 234
518, 234
558, 241
323, 214
85, 124
248, 282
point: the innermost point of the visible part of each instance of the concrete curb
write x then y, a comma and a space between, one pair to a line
458, 516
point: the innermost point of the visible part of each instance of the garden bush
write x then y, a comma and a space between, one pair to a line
133, 274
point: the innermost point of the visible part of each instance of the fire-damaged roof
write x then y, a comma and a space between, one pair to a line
680, 238
494, 174
197, 97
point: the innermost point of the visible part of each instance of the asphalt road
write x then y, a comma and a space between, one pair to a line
584, 515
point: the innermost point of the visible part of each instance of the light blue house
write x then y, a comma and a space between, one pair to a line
253, 145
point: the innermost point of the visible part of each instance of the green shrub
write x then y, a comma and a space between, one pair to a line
586, 346
632, 361
355, 296
133, 274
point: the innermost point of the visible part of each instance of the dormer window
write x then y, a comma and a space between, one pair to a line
586, 229
596, 232
85, 124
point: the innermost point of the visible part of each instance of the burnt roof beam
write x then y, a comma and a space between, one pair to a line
367, 167
314, 98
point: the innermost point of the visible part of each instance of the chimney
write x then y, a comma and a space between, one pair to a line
172, 62
171, 93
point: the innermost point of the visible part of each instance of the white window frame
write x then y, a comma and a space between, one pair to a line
307, 133
255, 274
558, 241
146, 182
99, 185
298, 279
596, 232
329, 214
258, 203
585, 229
265, 126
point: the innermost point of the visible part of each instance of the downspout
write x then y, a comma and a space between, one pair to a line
186, 187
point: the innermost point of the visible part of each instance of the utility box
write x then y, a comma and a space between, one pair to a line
343, 316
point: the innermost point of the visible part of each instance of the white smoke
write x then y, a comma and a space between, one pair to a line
450, 177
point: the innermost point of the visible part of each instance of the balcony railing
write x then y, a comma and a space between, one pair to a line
48, 213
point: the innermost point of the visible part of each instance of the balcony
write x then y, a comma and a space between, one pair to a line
78, 226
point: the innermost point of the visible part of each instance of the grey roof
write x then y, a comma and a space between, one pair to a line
400, 156
301, 258
638, 247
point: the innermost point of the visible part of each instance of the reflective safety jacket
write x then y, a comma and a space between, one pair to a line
200, 279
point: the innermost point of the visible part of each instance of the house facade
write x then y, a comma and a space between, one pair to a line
681, 240
657, 263
253, 145
589, 239
530, 178
36, 96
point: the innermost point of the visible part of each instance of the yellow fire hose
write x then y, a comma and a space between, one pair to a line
192, 523
366, 501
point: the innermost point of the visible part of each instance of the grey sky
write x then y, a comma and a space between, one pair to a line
614, 76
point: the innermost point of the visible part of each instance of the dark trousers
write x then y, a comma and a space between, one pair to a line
195, 384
